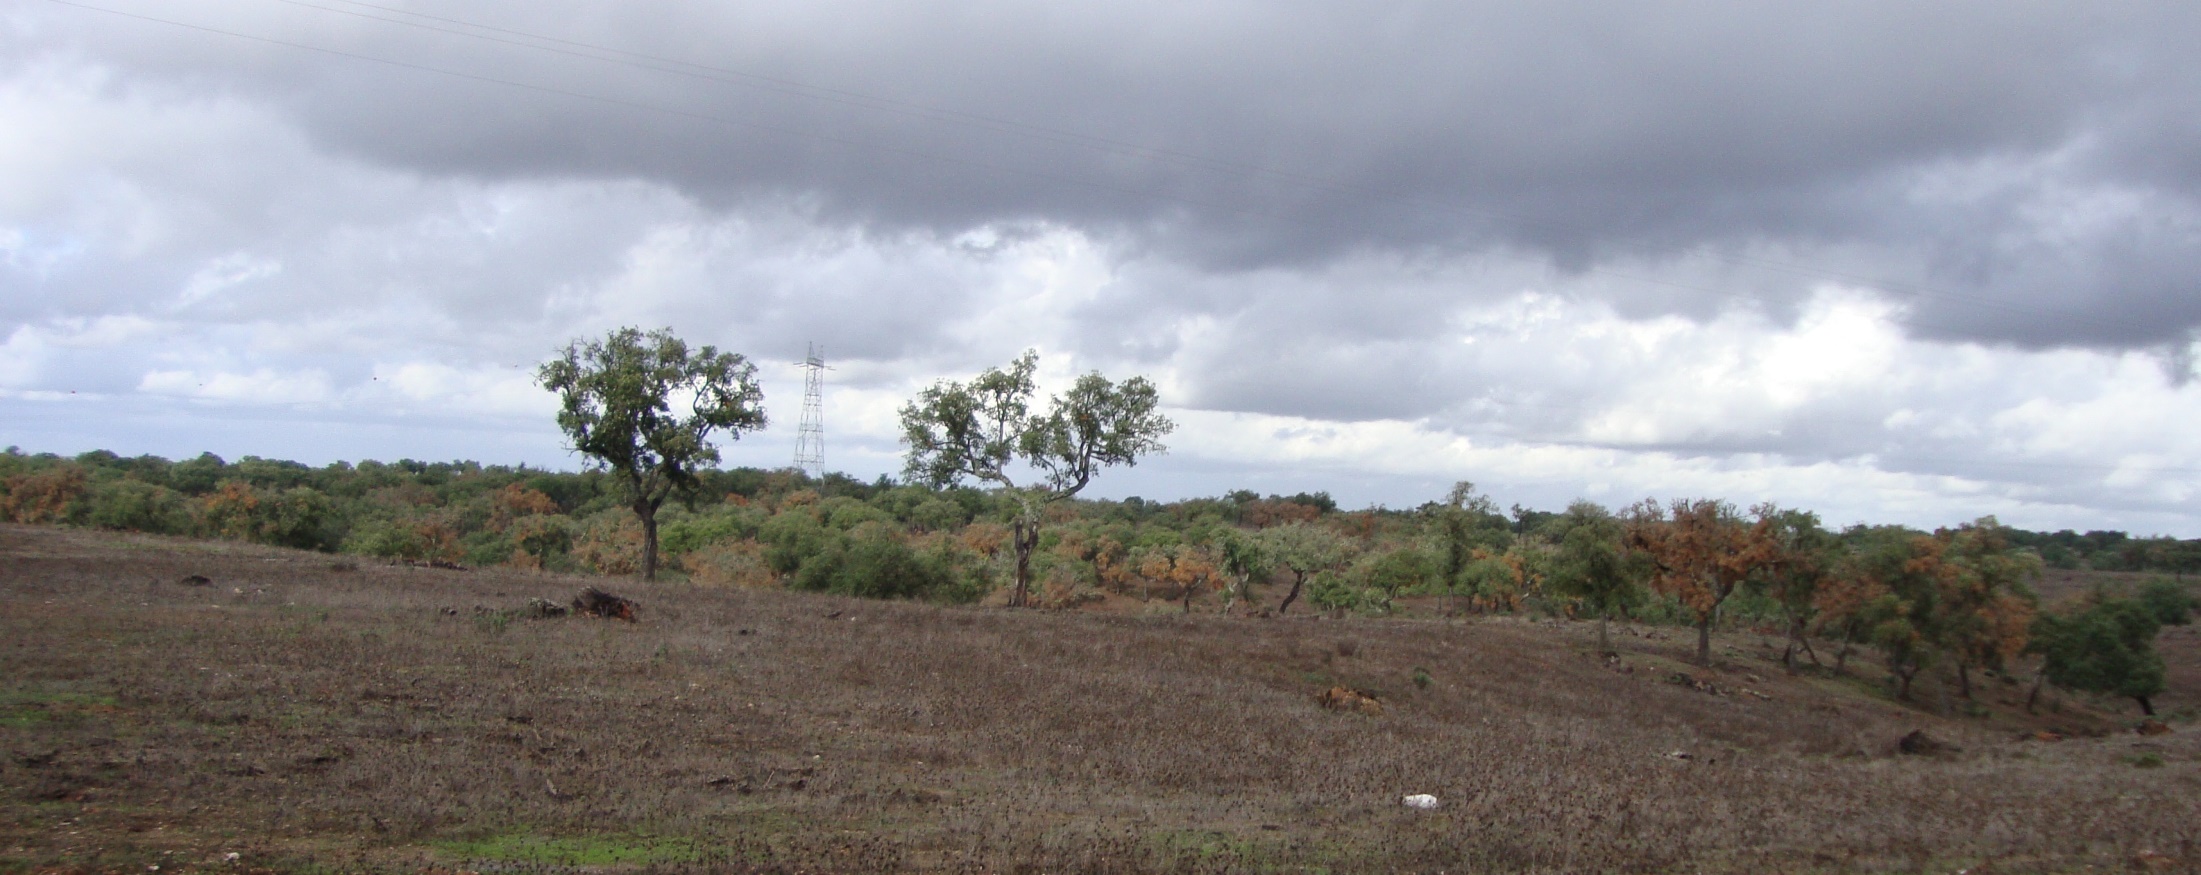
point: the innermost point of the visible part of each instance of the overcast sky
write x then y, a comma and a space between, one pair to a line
1893, 262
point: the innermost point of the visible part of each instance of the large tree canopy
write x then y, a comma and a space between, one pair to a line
2109, 647
617, 398
980, 430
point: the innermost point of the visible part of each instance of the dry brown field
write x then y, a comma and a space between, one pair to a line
300, 712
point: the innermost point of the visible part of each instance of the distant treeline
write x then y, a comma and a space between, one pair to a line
1959, 598
466, 512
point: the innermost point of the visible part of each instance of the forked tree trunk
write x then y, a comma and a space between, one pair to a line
1901, 678
1797, 640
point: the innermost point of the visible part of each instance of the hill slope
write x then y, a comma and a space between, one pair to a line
301, 709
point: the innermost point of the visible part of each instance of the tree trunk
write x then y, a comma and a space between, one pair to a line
2035, 695
1964, 681
1604, 636
2146, 708
1704, 641
1298, 579
1797, 640
648, 512
1024, 535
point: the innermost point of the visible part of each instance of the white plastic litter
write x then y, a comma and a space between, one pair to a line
1422, 801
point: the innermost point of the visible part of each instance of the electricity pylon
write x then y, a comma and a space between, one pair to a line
810, 437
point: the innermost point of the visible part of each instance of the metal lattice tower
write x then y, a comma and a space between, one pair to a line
810, 437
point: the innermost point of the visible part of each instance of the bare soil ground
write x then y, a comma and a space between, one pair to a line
307, 714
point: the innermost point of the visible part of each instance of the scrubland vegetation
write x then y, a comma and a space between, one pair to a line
1961, 599
360, 683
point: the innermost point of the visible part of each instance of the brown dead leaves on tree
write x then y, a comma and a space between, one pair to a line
1702, 550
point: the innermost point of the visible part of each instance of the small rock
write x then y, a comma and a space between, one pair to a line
195, 580
1422, 801
1680, 755
545, 608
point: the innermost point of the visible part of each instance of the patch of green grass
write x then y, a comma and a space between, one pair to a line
1207, 845
579, 850
23, 709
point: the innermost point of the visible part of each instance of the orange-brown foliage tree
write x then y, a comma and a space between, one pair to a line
45, 496
1985, 600
515, 501
1841, 603
228, 512
1194, 568
1266, 512
1702, 549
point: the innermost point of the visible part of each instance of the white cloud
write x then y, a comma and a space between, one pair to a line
223, 239
221, 273
258, 388
440, 388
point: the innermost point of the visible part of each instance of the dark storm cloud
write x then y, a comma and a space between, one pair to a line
1946, 141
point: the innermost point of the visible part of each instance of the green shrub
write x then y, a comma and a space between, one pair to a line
873, 568
137, 506
687, 533
197, 476
2170, 602
791, 538
2107, 648
939, 515
1330, 591
300, 517
842, 513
